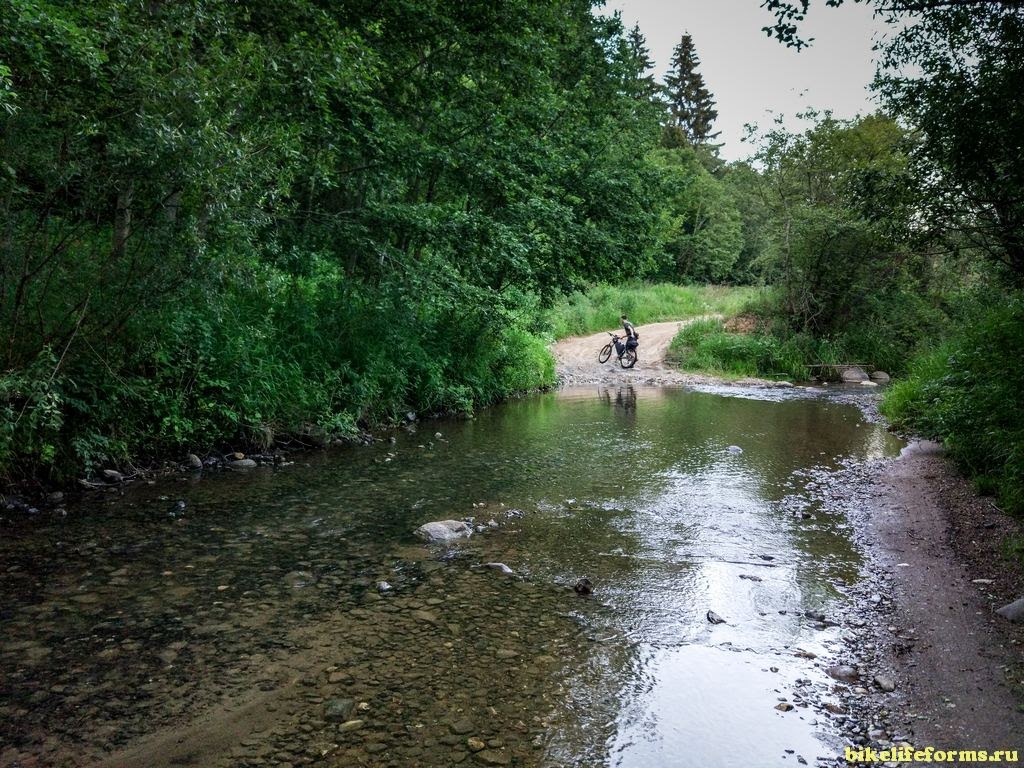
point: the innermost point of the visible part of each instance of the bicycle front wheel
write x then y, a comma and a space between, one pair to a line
628, 359
605, 353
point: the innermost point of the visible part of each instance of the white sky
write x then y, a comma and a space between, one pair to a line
753, 77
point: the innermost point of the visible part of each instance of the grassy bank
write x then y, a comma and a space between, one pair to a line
707, 346
599, 308
293, 361
966, 393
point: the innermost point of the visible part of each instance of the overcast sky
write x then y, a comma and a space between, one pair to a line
752, 76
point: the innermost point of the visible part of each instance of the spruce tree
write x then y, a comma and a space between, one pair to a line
691, 106
641, 63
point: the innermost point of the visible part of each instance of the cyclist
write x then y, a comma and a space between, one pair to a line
632, 337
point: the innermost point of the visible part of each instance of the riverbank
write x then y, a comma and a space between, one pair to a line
241, 620
942, 546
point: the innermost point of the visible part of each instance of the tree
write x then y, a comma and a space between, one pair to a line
952, 70
691, 106
638, 61
843, 210
703, 232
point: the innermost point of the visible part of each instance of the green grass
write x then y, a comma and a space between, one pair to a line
706, 346
967, 394
600, 307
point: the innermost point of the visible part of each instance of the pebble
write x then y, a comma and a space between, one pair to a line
494, 757
885, 682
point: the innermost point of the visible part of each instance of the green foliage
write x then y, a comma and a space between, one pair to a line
599, 308
31, 412
705, 345
702, 230
967, 394
262, 220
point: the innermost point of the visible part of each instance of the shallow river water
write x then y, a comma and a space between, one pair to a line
247, 628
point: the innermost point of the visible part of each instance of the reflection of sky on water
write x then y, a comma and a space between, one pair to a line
631, 487
698, 518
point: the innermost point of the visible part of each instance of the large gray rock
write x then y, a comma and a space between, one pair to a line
844, 673
1014, 611
853, 374
444, 530
881, 377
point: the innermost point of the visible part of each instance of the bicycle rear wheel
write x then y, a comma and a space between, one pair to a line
605, 353
628, 359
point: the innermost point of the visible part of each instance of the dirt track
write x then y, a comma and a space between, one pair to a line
941, 543
576, 360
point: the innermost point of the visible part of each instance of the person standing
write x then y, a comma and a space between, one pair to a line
632, 337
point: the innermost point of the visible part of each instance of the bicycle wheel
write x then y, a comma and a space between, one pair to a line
605, 353
628, 359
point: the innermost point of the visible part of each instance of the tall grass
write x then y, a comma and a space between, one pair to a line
706, 346
600, 307
967, 393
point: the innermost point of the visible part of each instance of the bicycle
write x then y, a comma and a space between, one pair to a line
627, 358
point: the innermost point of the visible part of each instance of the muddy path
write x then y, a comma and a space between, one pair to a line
940, 545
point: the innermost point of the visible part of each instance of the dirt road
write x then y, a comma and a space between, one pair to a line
576, 360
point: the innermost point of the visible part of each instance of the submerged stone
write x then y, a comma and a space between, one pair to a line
444, 530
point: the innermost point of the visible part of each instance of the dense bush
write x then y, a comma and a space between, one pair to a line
288, 362
967, 394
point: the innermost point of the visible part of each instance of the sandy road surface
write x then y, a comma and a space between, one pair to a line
576, 360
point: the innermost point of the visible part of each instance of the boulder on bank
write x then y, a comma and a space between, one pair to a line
880, 377
853, 374
444, 530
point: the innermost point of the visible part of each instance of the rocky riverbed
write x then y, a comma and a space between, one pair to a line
287, 615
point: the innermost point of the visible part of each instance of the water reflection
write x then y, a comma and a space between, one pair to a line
126, 618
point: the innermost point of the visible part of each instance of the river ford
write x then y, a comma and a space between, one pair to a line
288, 616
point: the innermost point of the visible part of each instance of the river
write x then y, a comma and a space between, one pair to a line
240, 619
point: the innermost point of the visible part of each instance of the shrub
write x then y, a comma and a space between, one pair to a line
967, 394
